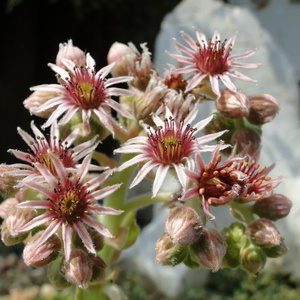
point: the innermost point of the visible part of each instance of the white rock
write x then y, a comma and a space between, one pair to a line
281, 138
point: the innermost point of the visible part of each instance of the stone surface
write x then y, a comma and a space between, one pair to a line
281, 138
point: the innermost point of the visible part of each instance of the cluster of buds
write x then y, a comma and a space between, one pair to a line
187, 241
249, 246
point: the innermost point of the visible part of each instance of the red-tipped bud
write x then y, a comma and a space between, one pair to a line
263, 109
234, 105
274, 207
70, 52
78, 269
183, 225
253, 259
167, 253
209, 249
41, 255
264, 233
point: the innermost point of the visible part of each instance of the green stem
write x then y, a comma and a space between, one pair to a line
244, 210
143, 200
79, 294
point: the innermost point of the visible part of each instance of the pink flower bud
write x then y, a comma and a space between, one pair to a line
18, 217
43, 254
210, 249
36, 99
247, 140
183, 225
78, 269
264, 233
7, 182
129, 61
274, 207
168, 253
263, 109
99, 268
70, 52
234, 105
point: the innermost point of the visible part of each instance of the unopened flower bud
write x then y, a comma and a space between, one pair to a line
7, 182
183, 225
253, 259
246, 139
36, 99
236, 238
119, 54
41, 255
55, 274
234, 105
263, 109
274, 207
6, 205
8, 239
18, 217
98, 268
264, 233
129, 61
70, 52
278, 250
209, 249
167, 253
78, 269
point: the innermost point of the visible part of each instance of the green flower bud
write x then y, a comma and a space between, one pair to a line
253, 259
98, 268
55, 274
236, 238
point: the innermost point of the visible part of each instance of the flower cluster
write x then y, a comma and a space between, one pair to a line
69, 203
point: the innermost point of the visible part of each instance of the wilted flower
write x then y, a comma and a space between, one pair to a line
215, 183
71, 202
211, 59
84, 91
169, 146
